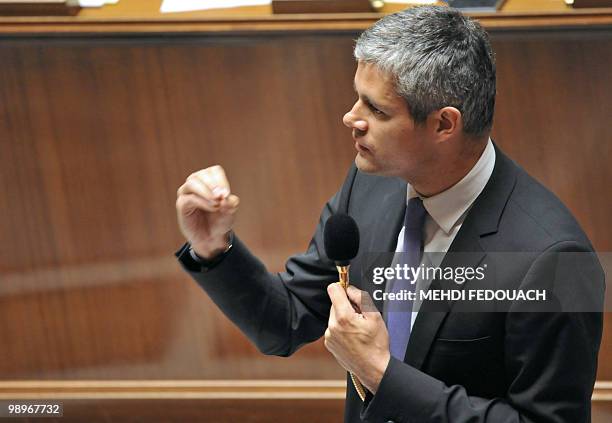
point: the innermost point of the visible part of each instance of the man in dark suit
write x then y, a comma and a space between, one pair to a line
427, 175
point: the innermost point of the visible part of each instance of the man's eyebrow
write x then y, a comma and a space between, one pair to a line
371, 103
368, 99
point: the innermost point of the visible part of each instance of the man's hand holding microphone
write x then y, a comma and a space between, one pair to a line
206, 210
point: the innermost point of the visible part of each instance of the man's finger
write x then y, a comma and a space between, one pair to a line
219, 180
361, 300
188, 203
189, 189
196, 186
340, 302
217, 192
332, 315
230, 204
354, 295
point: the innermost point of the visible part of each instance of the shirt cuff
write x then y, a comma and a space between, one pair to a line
192, 261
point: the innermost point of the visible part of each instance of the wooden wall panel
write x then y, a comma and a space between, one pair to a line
248, 411
160, 328
185, 401
199, 411
96, 135
101, 136
202, 401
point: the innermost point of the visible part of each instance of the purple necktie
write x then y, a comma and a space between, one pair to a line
399, 313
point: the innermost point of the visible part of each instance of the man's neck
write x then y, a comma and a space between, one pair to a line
448, 172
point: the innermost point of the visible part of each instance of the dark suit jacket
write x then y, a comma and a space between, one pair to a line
509, 366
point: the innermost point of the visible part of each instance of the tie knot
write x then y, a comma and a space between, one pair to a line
415, 214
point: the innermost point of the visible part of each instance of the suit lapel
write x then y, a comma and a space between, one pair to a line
465, 250
378, 248
390, 213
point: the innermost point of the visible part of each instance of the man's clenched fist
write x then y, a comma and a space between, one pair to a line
205, 208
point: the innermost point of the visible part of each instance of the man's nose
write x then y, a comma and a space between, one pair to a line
348, 118
353, 121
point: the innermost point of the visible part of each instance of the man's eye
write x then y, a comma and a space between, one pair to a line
376, 111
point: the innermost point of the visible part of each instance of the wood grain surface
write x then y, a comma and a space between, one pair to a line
203, 401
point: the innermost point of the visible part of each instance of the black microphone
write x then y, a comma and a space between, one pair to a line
341, 240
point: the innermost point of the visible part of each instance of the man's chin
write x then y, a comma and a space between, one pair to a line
364, 165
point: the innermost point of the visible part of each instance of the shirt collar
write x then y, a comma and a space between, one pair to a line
448, 207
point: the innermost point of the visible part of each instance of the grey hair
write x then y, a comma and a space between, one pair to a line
438, 57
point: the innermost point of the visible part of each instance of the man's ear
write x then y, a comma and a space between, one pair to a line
446, 121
